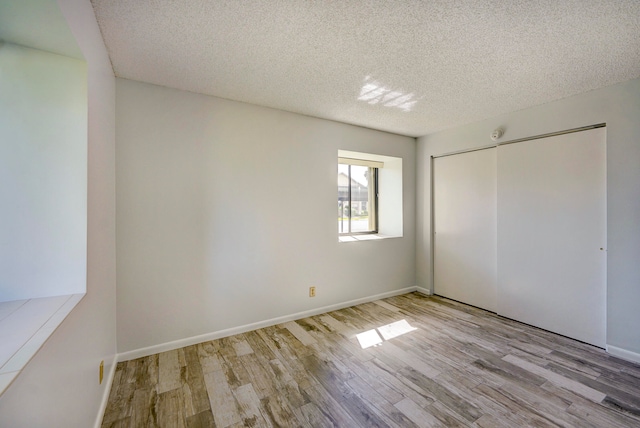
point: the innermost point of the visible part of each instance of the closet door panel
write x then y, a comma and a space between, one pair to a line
465, 227
552, 234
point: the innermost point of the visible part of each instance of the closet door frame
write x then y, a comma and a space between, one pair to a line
432, 206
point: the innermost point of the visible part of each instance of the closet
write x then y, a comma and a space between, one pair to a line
520, 229
466, 237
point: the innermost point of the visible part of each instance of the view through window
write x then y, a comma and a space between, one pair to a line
357, 198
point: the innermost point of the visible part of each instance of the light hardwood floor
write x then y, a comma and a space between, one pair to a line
448, 365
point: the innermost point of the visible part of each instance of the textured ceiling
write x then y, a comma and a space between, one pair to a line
408, 67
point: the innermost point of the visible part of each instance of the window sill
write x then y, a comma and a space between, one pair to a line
358, 238
25, 325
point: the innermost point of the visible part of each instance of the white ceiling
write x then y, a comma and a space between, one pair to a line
408, 67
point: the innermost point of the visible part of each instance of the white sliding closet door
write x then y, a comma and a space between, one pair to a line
465, 227
552, 234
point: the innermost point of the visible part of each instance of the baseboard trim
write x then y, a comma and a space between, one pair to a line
168, 346
107, 390
624, 354
424, 291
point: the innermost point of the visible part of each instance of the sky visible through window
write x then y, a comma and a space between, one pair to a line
357, 173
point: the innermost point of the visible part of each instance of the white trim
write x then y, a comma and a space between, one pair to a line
106, 392
33, 321
424, 291
168, 346
364, 237
366, 156
361, 162
634, 357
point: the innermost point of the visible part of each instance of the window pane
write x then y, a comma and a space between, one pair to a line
359, 199
356, 199
343, 198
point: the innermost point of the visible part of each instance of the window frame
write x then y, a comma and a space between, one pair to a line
374, 173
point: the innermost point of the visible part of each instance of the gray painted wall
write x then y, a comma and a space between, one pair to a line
43, 173
226, 214
619, 107
59, 387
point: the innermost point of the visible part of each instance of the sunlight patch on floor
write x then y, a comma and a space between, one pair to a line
376, 336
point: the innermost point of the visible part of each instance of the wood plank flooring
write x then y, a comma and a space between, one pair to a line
406, 361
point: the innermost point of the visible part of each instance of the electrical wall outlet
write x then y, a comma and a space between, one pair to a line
101, 371
312, 291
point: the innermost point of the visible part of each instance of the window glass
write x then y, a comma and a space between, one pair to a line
357, 195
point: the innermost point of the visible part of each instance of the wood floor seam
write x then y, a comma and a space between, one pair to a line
404, 361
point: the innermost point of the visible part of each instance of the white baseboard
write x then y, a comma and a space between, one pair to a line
624, 354
424, 291
168, 346
107, 390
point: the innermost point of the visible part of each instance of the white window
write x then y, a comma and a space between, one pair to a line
369, 196
357, 196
